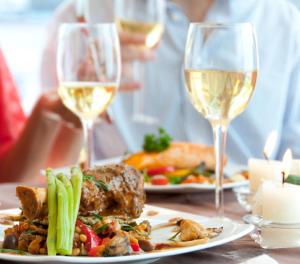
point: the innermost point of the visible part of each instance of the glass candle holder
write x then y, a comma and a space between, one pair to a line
270, 235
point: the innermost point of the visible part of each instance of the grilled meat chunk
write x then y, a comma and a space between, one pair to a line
116, 189
124, 195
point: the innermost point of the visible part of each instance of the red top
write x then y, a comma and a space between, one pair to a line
12, 117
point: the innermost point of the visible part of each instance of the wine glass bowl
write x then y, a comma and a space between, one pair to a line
141, 18
221, 64
88, 66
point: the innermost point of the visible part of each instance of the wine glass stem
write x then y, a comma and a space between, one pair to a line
220, 133
88, 141
138, 99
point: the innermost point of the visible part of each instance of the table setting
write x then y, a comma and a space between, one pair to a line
170, 202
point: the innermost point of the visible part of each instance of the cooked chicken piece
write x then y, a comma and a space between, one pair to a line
124, 195
119, 245
191, 230
33, 201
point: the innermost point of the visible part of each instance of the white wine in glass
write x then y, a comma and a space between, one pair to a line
146, 18
221, 64
89, 70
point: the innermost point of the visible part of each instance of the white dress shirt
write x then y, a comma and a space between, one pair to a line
274, 106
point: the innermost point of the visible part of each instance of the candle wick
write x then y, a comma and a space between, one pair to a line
283, 178
265, 156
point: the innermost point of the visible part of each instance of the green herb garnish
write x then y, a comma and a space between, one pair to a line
102, 228
172, 238
157, 143
147, 178
99, 183
202, 170
103, 185
99, 217
293, 179
126, 227
176, 180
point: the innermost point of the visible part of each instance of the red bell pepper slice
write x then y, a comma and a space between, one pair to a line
135, 247
92, 238
161, 170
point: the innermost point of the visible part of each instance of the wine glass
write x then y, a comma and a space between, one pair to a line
89, 67
221, 63
142, 17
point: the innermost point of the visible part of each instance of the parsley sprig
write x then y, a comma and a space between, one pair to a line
157, 143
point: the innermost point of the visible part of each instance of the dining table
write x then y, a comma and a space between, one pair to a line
202, 203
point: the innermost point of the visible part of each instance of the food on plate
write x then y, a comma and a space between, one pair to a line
165, 162
115, 189
92, 213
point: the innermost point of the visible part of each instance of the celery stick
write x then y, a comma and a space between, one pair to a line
69, 190
63, 222
76, 180
52, 213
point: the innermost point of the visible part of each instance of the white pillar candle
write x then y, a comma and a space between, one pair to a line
280, 202
295, 167
260, 170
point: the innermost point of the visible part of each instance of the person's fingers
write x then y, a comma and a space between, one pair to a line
130, 87
131, 53
131, 39
106, 117
51, 102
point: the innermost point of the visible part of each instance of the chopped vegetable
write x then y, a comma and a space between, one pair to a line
176, 180
172, 238
135, 247
69, 190
92, 238
52, 213
202, 170
102, 228
190, 179
63, 220
157, 143
99, 217
126, 227
76, 181
159, 180
179, 173
161, 170
96, 251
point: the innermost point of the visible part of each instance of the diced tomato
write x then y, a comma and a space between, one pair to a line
159, 180
190, 179
135, 247
161, 170
92, 238
96, 251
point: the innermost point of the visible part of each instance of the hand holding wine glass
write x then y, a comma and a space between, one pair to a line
221, 65
89, 72
141, 18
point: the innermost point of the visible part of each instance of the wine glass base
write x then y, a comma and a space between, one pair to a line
144, 119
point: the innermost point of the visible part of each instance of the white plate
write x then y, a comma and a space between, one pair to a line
180, 188
231, 231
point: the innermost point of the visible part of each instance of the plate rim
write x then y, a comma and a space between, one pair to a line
245, 229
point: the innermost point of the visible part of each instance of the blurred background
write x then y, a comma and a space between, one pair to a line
25, 22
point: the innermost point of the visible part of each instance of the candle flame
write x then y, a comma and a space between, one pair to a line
287, 162
270, 144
